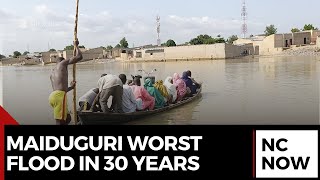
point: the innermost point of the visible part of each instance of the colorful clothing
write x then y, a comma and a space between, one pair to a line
172, 89
160, 102
58, 101
181, 86
148, 101
189, 83
162, 89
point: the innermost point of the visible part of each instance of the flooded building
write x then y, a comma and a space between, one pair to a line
276, 43
190, 52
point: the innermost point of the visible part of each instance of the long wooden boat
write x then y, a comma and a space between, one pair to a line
99, 118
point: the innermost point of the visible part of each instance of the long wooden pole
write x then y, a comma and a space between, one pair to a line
75, 67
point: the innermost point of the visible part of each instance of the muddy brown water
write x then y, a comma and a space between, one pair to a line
282, 90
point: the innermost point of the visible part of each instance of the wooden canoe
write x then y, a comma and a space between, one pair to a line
99, 118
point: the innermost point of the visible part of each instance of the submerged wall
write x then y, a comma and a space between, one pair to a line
193, 52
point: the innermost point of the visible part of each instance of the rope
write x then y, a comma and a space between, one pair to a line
75, 67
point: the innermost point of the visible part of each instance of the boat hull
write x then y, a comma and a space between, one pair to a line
99, 118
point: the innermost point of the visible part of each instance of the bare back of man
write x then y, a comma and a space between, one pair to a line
59, 82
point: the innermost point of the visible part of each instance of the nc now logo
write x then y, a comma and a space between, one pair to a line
286, 154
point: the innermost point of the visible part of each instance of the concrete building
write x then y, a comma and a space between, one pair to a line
314, 36
91, 54
192, 52
318, 42
276, 43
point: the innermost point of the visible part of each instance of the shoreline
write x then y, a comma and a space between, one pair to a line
306, 51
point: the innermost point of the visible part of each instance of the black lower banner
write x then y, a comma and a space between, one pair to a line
144, 152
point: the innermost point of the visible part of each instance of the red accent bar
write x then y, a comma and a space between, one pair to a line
5, 119
254, 153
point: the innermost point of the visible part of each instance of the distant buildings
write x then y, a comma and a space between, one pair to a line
276, 43
187, 52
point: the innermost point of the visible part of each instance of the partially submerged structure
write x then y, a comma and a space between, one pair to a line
188, 52
276, 43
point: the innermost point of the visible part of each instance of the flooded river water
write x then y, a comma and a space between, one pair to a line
283, 90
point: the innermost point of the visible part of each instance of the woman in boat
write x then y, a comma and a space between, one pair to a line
181, 86
189, 83
198, 84
154, 92
142, 96
171, 88
163, 91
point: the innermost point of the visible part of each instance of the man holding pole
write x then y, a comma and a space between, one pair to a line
59, 81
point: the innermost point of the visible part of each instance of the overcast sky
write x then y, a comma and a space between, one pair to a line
40, 24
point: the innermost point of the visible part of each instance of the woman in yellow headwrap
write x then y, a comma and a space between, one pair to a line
163, 90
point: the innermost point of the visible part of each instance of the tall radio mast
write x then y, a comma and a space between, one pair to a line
158, 30
244, 18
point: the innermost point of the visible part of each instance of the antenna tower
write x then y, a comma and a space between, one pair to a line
158, 31
244, 18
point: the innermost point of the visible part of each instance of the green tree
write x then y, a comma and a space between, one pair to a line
52, 50
270, 30
117, 46
202, 39
308, 27
124, 43
16, 54
2, 56
195, 41
109, 47
294, 30
232, 38
170, 43
219, 39
25, 53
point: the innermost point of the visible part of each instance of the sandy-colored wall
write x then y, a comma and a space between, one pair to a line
299, 38
242, 41
280, 40
318, 42
314, 35
233, 51
195, 52
87, 55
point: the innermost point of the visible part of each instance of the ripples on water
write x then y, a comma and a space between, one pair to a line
257, 91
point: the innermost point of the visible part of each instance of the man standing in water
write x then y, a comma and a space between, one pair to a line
59, 81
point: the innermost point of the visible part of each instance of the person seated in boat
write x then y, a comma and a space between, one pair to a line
86, 101
144, 100
198, 84
129, 103
189, 83
171, 88
110, 85
163, 91
181, 86
154, 92
130, 82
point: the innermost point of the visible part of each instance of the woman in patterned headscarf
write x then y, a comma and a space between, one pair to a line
154, 92
163, 90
